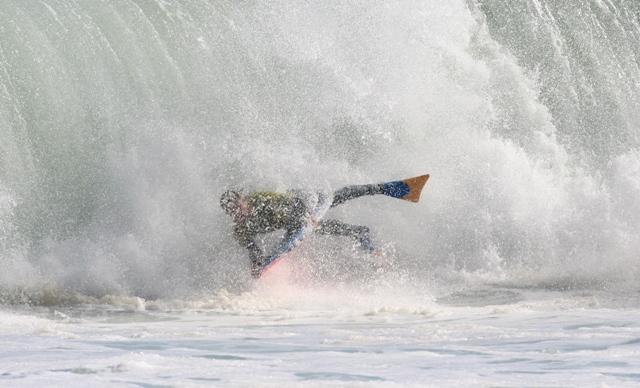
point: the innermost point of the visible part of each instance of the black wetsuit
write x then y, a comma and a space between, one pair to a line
269, 211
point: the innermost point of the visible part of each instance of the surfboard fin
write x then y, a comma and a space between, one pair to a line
408, 189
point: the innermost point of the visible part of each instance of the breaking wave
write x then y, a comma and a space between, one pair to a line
122, 122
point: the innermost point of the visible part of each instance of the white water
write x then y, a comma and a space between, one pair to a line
122, 122
272, 339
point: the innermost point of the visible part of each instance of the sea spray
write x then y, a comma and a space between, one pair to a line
122, 122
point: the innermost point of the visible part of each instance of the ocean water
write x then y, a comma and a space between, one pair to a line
121, 123
274, 336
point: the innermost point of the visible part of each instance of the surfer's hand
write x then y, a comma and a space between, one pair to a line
255, 270
256, 267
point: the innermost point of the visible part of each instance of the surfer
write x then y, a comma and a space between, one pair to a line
262, 212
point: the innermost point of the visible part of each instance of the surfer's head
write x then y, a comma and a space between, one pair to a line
230, 202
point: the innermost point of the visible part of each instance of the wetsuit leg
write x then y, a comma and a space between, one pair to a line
350, 192
338, 228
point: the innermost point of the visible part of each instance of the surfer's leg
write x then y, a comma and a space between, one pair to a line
355, 191
337, 228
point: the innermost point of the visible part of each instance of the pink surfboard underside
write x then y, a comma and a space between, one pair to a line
273, 264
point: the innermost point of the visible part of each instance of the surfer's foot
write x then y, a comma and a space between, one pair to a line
365, 240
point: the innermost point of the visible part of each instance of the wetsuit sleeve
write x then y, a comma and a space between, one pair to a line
255, 253
247, 240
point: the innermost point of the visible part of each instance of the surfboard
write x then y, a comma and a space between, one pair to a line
407, 189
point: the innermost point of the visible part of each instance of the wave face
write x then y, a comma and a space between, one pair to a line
122, 122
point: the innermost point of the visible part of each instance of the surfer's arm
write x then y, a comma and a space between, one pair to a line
255, 253
248, 241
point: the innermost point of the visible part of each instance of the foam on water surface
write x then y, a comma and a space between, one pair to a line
552, 341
